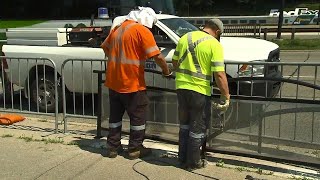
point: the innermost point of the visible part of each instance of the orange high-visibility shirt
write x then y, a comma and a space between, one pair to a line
127, 48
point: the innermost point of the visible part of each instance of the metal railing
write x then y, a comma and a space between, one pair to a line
274, 110
79, 86
260, 119
29, 85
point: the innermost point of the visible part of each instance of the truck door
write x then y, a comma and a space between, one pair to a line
167, 47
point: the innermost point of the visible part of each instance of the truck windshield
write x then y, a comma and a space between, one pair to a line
179, 26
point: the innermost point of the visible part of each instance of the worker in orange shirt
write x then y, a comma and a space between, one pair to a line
127, 48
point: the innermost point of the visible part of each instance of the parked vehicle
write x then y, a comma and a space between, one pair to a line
61, 44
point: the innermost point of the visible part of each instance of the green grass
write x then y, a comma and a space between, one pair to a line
6, 135
298, 44
27, 139
2, 36
53, 141
18, 23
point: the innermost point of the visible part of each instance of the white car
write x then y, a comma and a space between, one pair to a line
167, 33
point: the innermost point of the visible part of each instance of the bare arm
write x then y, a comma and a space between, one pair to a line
222, 83
175, 65
160, 61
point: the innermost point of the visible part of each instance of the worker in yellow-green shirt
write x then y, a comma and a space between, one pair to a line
198, 55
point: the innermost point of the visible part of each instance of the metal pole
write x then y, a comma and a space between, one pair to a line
260, 117
265, 33
293, 31
280, 22
99, 113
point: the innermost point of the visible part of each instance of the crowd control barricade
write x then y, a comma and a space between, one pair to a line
80, 88
29, 86
274, 112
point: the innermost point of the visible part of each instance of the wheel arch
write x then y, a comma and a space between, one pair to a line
41, 69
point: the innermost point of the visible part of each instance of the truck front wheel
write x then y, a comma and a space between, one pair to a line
43, 94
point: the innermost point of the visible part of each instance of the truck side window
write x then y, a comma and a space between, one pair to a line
160, 36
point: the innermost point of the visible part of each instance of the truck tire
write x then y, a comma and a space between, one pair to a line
45, 96
6, 88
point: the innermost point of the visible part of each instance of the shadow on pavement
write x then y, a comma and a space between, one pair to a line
159, 157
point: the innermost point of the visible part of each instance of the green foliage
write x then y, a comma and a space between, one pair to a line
27, 139
17, 23
6, 135
52, 141
220, 163
298, 44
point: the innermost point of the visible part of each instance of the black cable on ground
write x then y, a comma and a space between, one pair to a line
133, 167
155, 160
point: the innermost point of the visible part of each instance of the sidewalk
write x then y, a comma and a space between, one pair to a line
30, 150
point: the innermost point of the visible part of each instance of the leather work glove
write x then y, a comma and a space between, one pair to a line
223, 104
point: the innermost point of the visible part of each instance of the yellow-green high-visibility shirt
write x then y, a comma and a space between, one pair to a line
199, 55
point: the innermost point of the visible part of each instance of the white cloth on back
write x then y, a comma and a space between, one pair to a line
145, 16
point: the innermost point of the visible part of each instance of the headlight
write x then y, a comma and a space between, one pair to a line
251, 70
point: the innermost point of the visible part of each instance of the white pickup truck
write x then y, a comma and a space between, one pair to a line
167, 32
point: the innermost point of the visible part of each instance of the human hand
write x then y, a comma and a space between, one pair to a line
224, 103
167, 74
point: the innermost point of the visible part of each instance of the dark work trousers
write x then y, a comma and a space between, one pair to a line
136, 105
194, 114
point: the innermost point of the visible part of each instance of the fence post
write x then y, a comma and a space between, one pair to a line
99, 113
265, 33
260, 119
293, 31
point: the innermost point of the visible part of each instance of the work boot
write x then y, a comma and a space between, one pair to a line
139, 152
113, 152
201, 164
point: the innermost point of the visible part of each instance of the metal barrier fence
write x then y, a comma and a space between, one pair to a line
274, 111
79, 87
263, 120
29, 85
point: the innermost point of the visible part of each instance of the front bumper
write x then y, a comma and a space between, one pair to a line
262, 88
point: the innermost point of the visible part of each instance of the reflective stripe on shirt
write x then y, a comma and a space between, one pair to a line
127, 61
191, 50
152, 49
122, 57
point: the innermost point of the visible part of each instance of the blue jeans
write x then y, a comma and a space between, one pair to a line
194, 116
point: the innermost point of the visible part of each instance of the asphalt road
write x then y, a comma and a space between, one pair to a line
300, 56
